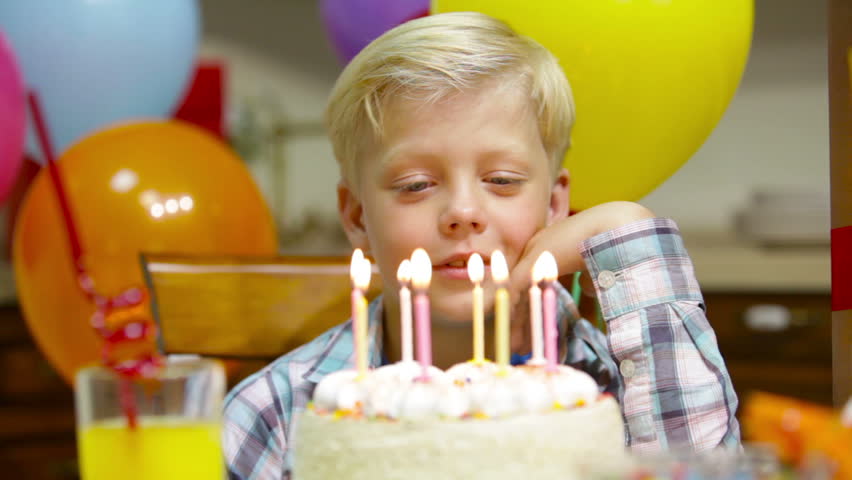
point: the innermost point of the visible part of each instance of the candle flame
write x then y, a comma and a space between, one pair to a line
365, 273
499, 269
545, 267
475, 268
539, 269
403, 273
357, 257
360, 270
421, 269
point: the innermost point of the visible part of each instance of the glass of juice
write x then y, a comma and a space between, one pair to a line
176, 431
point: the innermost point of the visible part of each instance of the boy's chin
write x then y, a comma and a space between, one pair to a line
452, 314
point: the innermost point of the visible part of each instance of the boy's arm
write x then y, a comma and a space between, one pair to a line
254, 440
677, 391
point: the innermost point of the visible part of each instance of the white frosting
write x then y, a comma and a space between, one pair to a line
571, 387
326, 395
352, 395
383, 398
533, 394
500, 399
516, 431
454, 402
405, 372
472, 372
397, 391
419, 400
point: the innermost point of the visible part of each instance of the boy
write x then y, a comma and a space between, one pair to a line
450, 132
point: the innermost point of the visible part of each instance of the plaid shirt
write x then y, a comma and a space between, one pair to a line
659, 357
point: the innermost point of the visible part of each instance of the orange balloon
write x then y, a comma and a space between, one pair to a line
145, 187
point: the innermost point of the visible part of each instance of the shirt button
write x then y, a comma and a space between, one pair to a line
627, 368
606, 279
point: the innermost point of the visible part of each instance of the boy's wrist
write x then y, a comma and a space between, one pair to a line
618, 214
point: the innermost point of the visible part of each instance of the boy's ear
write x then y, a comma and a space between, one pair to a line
559, 197
351, 212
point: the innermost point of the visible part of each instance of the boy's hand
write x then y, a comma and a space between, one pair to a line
563, 239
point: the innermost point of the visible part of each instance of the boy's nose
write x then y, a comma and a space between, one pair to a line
461, 220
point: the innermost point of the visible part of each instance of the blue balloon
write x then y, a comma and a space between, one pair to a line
98, 62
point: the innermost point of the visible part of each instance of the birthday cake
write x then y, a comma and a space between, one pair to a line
411, 420
473, 421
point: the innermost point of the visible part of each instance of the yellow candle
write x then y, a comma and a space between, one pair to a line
362, 333
500, 274
360, 272
403, 276
476, 272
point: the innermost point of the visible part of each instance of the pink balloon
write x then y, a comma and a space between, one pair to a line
12, 118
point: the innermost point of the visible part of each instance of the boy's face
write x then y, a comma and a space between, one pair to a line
467, 174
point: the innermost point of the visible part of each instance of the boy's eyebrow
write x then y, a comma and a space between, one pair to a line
509, 151
393, 153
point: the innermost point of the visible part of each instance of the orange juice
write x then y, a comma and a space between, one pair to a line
159, 448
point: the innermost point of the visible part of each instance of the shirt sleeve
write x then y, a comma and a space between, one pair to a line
677, 391
254, 434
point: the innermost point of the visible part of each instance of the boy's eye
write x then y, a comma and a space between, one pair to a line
502, 181
498, 181
414, 187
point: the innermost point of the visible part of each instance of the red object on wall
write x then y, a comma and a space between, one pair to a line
204, 103
841, 268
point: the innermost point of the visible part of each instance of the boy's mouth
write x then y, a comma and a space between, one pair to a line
459, 260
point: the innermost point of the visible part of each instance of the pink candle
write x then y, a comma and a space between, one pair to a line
535, 326
357, 327
424, 331
548, 301
550, 331
421, 275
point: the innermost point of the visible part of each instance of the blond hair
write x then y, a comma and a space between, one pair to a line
434, 57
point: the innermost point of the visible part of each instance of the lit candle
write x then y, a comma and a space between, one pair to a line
421, 275
500, 274
366, 273
403, 276
476, 272
549, 306
360, 272
535, 313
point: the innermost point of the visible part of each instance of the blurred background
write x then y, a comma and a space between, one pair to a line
753, 202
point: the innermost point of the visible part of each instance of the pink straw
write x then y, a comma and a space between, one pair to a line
130, 298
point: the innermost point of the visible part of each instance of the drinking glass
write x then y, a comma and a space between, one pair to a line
177, 429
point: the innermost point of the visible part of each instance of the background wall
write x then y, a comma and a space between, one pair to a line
774, 136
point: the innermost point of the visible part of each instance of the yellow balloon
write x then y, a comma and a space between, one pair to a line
651, 79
